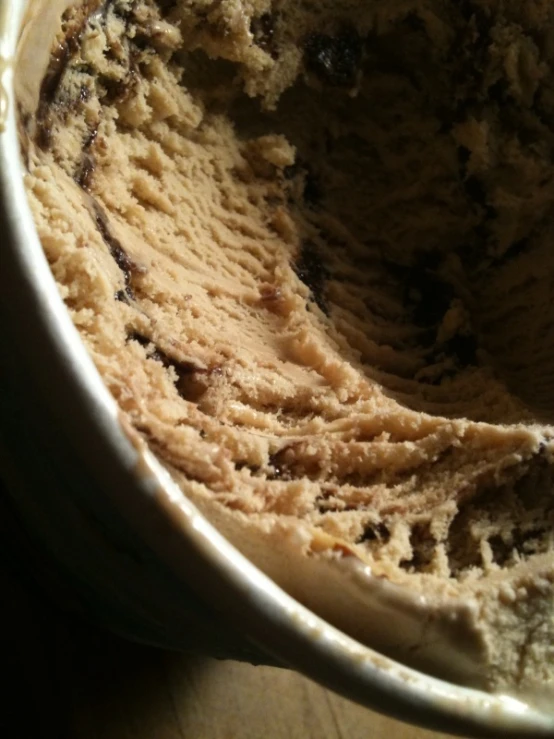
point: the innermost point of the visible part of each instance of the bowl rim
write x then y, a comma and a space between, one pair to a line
268, 616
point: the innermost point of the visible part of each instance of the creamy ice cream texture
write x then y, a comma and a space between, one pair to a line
308, 246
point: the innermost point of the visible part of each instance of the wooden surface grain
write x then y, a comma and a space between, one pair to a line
172, 697
69, 680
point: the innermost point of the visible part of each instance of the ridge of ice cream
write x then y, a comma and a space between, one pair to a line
308, 248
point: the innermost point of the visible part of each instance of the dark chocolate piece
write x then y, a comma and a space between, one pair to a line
428, 296
263, 30
335, 60
86, 170
311, 270
313, 192
192, 380
278, 461
475, 190
463, 347
119, 255
84, 176
423, 549
166, 6
464, 155
375, 532
59, 61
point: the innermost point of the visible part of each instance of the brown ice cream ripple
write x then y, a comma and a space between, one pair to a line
307, 248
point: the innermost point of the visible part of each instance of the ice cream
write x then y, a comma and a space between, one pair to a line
308, 248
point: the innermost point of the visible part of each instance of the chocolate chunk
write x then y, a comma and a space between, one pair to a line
499, 91
166, 6
75, 20
325, 503
291, 171
59, 61
335, 60
270, 294
58, 64
120, 10
378, 532
192, 380
50, 84
467, 9
84, 94
501, 551
414, 22
44, 133
286, 463
115, 90
473, 11
253, 468
280, 469
423, 549
514, 250
139, 338
464, 155
84, 176
118, 253
519, 542
463, 347
88, 163
313, 192
311, 270
475, 190
263, 30
159, 355
428, 296
118, 90
438, 379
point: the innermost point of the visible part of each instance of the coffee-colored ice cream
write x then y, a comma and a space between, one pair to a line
308, 246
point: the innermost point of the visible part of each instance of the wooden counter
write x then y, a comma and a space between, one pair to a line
69, 681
